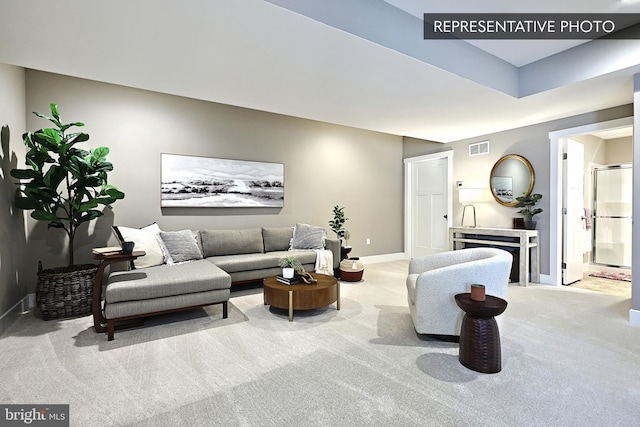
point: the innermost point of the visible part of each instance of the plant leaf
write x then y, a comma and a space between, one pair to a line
23, 173
84, 207
44, 216
26, 203
89, 215
54, 111
69, 125
99, 154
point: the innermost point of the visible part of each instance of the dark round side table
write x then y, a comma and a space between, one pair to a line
479, 335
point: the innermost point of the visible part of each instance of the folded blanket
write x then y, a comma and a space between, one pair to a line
324, 262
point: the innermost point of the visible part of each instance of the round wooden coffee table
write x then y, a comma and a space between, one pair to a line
302, 296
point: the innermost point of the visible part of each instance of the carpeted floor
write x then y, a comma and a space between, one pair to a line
570, 358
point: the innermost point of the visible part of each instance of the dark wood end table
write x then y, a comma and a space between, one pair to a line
99, 321
479, 336
302, 296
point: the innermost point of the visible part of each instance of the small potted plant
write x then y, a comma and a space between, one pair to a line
337, 223
528, 203
289, 265
337, 226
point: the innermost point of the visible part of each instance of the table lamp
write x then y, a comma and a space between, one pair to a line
467, 197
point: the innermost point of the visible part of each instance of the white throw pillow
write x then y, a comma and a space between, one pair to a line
145, 239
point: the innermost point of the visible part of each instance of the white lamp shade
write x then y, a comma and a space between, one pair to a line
468, 196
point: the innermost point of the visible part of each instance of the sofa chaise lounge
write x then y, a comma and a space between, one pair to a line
198, 269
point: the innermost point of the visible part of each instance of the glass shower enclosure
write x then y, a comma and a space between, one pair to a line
612, 215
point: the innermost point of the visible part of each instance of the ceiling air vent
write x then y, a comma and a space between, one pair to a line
478, 148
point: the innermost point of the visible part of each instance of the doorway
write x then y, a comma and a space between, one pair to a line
603, 131
428, 184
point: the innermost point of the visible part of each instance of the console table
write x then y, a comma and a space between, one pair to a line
525, 240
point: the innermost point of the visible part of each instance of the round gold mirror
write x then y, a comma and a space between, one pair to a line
512, 176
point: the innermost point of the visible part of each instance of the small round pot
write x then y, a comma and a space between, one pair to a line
530, 225
288, 273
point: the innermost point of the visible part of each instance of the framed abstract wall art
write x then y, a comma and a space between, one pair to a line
192, 181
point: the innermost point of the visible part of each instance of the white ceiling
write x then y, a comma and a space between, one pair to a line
614, 133
258, 55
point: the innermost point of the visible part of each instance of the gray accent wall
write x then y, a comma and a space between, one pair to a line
324, 165
531, 142
13, 287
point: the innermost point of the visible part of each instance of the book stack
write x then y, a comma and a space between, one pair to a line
111, 250
294, 280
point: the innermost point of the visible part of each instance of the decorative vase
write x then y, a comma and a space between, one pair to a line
518, 223
288, 273
530, 225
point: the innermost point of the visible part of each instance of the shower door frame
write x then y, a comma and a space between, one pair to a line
594, 214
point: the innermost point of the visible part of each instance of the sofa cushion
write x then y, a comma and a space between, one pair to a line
145, 239
231, 242
277, 238
180, 246
174, 302
250, 262
165, 280
306, 236
244, 262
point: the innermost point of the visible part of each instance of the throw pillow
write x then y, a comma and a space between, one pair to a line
306, 236
181, 246
145, 240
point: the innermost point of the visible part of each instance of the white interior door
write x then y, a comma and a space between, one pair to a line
429, 207
573, 213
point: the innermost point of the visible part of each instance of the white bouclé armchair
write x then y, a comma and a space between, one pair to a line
434, 280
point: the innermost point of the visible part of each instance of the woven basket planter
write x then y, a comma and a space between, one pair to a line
351, 269
65, 291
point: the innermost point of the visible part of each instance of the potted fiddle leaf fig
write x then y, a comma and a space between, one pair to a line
337, 226
337, 223
64, 186
528, 203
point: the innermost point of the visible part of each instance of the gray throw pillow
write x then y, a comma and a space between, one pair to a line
306, 236
181, 246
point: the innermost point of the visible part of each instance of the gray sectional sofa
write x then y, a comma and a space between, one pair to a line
217, 259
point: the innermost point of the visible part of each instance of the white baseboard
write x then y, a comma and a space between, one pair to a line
374, 259
634, 317
21, 307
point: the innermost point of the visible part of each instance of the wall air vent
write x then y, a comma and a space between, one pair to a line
478, 148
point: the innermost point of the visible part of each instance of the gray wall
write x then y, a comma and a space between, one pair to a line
12, 234
531, 142
325, 164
